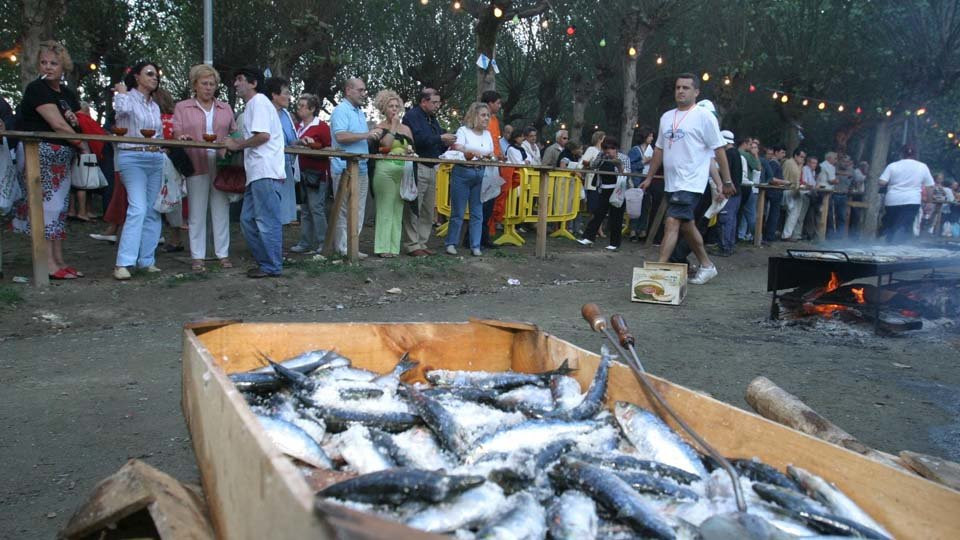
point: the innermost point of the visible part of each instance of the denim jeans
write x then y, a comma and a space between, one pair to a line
313, 219
260, 222
728, 223
142, 174
838, 209
748, 214
465, 184
772, 222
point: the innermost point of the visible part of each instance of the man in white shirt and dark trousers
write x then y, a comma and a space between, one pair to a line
906, 182
689, 137
262, 146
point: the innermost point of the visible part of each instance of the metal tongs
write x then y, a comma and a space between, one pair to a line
623, 339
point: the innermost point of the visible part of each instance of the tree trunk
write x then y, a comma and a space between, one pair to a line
628, 118
39, 19
878, 161
582, 89
486, 29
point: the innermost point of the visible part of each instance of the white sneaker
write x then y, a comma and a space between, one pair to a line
299, 248
152, 269
585, 242
476, 252
451, 250
121, 273
611, 248
704, 274
362, 255
104, 237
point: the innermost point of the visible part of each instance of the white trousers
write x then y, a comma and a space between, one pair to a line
201, 195
797, 205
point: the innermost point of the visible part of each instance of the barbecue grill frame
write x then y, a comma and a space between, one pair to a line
793, 270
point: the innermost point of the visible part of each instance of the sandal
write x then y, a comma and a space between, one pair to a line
63, 273
73, 271
225, 263
197, 265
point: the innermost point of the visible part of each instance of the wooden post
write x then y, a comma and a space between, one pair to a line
544, 207
758, 230
334, 218
657, 220
41, 273
353, 214
824, 215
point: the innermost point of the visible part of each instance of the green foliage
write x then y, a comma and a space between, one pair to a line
9, 296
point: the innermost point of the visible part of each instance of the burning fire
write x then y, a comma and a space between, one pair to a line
833, 284
858, 294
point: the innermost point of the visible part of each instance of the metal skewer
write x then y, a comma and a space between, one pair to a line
591, 312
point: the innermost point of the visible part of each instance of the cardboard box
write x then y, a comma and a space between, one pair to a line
659, 283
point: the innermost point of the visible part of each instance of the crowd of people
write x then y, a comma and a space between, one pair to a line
709, 180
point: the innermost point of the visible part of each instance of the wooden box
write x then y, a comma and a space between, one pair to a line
254, 492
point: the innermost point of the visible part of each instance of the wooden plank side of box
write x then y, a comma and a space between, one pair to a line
908, 505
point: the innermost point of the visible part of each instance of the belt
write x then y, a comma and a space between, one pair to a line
143, 149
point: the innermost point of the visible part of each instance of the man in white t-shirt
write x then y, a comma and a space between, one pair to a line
688, 137
906, 181
262, 145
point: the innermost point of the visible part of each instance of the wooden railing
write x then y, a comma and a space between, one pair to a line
348, 188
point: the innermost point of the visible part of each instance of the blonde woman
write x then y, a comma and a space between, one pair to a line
49, 105
397, 140
193, 118
475, 141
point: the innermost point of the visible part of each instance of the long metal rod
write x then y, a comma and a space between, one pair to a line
208, 32
633, 361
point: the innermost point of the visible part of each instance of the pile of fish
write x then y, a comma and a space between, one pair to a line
523, 456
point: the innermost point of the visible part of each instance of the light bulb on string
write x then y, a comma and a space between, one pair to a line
752, 88
456, 5
727, 81
889, 113
840, 108
806, 102
516, 19
571, 30
784, 98
921, 111
776, 95
93, 67
632, 51
859, 110
603, 42
706, 76
497, 12
545, 23
950, 135
822, 105
424, 2
563, 126
659, 60
13, 58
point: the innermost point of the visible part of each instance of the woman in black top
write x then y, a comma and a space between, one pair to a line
49, 105
609, 160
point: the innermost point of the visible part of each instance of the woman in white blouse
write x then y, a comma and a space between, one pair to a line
141, 168
466, 181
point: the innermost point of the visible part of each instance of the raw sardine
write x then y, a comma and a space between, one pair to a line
525, 520
573, 516
470, 508
655, 440
396, 486
838, 503
501, 380
294, 442
593, 400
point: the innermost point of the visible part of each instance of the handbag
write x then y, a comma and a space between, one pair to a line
171, 190
408, 184
490, 187
617, 197
180, 160
231, 179
86, 173
10, 191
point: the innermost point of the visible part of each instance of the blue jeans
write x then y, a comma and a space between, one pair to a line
772, 224
313, 219
142, 174
260, 222
748, 214
838, 209
728, 223
465, 184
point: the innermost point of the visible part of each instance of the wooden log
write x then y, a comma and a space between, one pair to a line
176, 511
775, 403
758, 230
41, 272
542, 211
657, 221
334, 217
933, 468
353, 214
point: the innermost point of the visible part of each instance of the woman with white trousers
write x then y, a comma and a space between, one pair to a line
193, 118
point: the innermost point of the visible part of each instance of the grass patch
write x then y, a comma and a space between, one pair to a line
9, 296
186, 277
509, 255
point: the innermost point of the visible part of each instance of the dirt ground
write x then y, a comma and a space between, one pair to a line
90, 369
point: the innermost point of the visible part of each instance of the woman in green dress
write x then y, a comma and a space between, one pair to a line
397, 140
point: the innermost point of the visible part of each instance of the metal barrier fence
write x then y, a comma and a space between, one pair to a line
538, 180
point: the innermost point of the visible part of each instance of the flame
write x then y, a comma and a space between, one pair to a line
827, 310
909, 313
858, 294
833, 284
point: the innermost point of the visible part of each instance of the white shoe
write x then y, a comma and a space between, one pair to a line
121, 273
704, 274
299, 248
611, 248
104, 237
585, 242
451, 250
152, 269
362, 255
476, 252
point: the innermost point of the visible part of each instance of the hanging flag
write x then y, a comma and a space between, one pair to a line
483, 62
493, 64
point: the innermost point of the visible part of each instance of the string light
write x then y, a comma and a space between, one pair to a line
456, 5
545, 23
706, 76
571, 30
784, 98
727, 81
889, 113
497, 12
822, 105
752, 88
840, 108
93, 67
603, 42
13, 58
516, 19
659, 60
424, 2
632, 52
859, 110
921, 111
776, 95
563, 126
806, 102
950, 135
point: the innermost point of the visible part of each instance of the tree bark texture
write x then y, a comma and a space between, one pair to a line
878, 161
39, 18
628, 118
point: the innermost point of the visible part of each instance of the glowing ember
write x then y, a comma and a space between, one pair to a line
833, 284
909, 313
826, 310
858, 294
